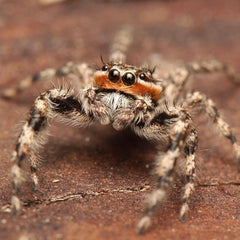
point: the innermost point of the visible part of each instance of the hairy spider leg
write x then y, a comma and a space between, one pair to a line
190, 171
165, 165
50, 104
196, 99
80, 73
178, 78
121, 42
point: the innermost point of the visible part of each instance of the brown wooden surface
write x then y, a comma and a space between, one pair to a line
104, 175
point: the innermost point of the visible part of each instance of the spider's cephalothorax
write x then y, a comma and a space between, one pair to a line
125, 96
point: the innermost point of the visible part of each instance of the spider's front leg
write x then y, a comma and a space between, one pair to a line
180, 137
53, 103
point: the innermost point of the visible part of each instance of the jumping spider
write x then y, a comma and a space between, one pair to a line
125, 96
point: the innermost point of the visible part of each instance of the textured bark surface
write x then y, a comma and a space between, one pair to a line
93, 184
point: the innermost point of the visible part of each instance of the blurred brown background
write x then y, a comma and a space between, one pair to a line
94, 182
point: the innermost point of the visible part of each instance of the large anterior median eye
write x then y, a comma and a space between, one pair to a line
128, 78
114, 75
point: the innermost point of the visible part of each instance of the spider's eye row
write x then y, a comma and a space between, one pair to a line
114, 75
105, 68
142, 76
128, 78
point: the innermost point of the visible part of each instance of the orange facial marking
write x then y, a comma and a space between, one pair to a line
102, 81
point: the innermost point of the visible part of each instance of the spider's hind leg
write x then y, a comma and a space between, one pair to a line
121, 42
191, 143
179, 77
80, 73
196, 99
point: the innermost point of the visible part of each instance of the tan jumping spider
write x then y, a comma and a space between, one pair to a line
125, 96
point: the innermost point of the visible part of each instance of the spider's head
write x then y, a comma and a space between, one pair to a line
128, 79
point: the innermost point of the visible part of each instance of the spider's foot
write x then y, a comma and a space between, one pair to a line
16, 206
143, 225
183, 212
17, 175
34, 182
233, 76
9, 93
236, 148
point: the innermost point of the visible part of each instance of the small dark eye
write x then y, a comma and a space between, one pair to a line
114, 75
128, 79
105, 68
142, 76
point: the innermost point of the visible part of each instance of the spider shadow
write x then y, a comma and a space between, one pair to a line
101, 146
